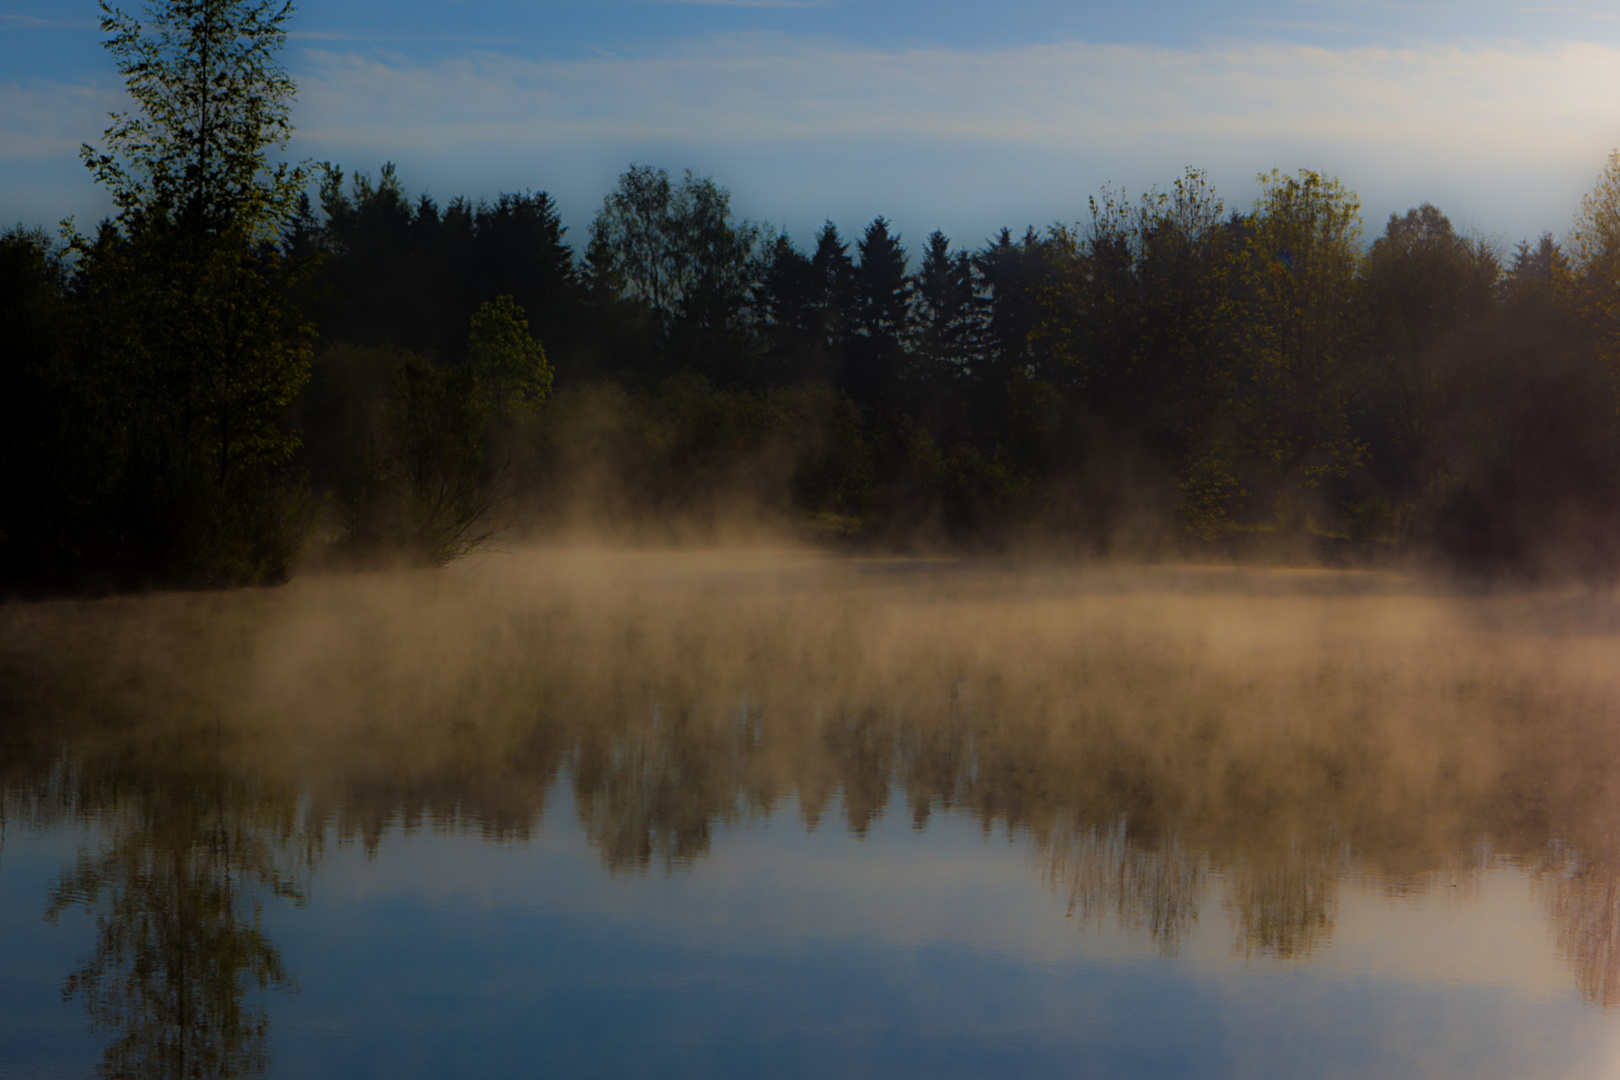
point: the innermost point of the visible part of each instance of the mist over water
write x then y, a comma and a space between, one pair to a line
1220, 765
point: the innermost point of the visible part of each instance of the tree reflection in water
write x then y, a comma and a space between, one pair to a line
1159, 747
1285, 904
1157, 889
1581, 896
186, 857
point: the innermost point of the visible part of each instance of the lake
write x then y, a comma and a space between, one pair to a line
584, 813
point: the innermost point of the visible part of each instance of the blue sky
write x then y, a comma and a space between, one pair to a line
949, 114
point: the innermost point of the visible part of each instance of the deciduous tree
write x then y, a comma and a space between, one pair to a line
199, 335
1302, 261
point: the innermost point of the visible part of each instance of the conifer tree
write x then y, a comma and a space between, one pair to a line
881, 303
945, 311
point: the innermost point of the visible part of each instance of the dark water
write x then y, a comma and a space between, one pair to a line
703, 815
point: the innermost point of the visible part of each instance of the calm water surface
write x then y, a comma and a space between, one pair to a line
757, 814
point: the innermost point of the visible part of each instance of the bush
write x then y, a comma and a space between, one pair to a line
420, 489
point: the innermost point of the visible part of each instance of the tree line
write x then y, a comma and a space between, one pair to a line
248, 355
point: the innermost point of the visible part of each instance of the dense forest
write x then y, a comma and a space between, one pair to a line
250, 365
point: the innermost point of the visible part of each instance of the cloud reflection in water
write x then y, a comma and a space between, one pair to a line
1167, 744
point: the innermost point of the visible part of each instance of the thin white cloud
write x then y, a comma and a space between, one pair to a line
1585, 13
1506, 136
399, 39
44, 121
1474, 101
34, 22
749, 3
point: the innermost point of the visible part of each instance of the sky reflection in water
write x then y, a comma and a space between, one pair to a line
697, 815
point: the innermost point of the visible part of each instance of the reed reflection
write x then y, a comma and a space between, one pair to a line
1161, 746
1154, 888
1285, 904
1581, 895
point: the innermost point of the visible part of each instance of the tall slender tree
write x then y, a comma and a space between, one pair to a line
194, 289
882, 301
676, 249
832, 288
944, 312
1303, 262
1429, 287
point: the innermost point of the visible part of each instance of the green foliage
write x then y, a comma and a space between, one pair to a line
181, 952
1141, 315
1428, 293
1301, 260
1594, 245
803, 441
833, 468
407, 273
675, 250
1166, 367
673, 246
212, 101
691, 459
1593, 281
195, 335
1207, 489
509, 365
213, 348
1375, 518
1529, 480
422, 485
420, 490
